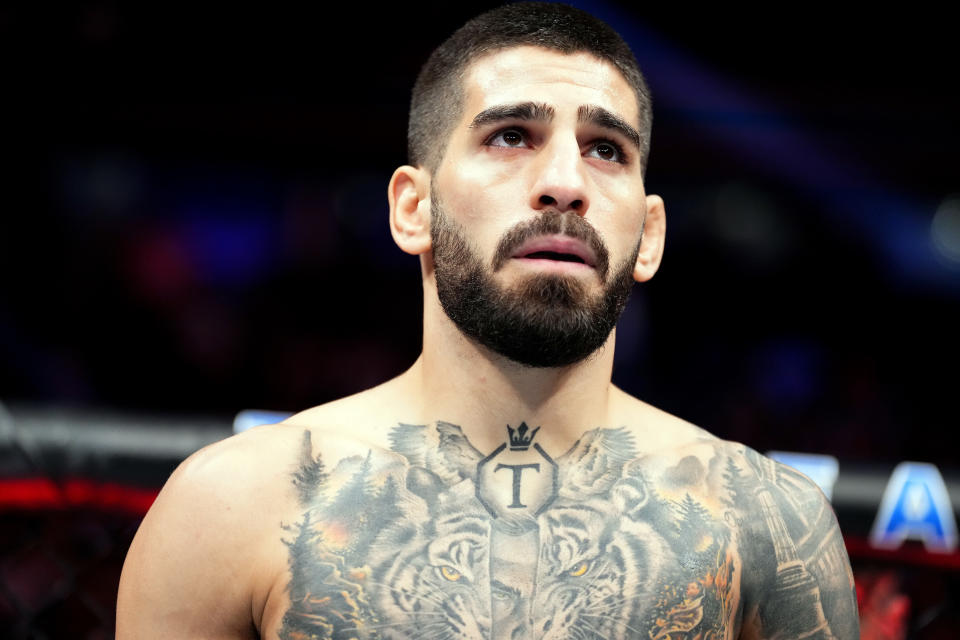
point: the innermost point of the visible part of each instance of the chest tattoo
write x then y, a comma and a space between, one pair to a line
438, 540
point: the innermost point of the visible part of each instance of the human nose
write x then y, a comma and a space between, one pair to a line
560, 183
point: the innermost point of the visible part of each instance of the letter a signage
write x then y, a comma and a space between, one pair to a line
915, 506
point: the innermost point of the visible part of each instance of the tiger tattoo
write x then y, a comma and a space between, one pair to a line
431, 569
600, 564
410, 548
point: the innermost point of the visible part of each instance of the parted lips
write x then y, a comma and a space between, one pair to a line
554, 236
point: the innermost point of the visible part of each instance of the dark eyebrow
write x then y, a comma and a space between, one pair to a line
601, 117
520, 111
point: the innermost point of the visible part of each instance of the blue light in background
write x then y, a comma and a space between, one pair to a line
231, 252
822, 469
250, 418
787, 373
895, 223
228, 222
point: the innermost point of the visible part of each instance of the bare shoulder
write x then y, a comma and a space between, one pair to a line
236, 474
729, 471
367, 415
658, 429
794, 571
205, 547
244, 482
667, 438
208, 560
797, 576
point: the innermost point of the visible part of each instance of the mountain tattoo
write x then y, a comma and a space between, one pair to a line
437, 540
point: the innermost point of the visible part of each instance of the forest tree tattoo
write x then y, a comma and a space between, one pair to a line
437, 540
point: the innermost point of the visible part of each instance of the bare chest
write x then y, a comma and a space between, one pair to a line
512, 543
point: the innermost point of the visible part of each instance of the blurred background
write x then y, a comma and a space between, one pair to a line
193, 222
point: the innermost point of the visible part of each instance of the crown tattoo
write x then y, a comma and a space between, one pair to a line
520, 439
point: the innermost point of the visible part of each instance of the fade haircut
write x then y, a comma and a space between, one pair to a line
437, 100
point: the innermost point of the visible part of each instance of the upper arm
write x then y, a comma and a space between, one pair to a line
798, 573
193, 564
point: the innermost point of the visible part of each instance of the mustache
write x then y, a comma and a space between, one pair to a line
567, 223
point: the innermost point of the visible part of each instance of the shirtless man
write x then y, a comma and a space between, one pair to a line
502, 487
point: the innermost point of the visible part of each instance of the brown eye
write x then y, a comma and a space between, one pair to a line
450, 573
607, 152
579, 570
512, 138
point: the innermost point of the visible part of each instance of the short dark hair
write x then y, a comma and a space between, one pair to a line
437, 98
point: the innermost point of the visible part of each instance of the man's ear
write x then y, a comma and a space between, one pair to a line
409, 196
651, 246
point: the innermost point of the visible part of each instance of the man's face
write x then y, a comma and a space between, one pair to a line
538, 205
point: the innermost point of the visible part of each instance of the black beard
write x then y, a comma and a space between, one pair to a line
545, 320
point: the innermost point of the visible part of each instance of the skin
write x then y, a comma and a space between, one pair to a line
237, 540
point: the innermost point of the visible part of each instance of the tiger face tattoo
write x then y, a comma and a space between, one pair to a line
435, 539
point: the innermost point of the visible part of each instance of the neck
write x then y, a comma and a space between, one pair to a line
460, 381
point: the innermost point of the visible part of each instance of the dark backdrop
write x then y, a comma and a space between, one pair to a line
194, 214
